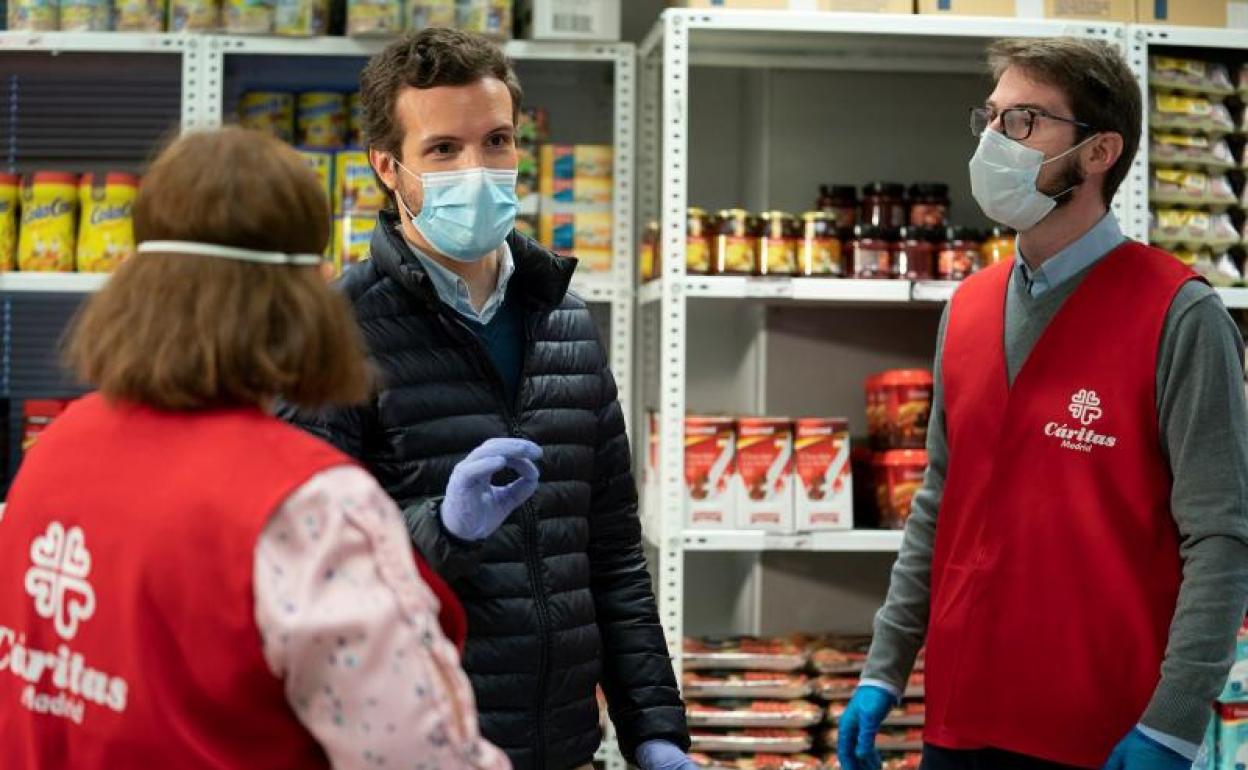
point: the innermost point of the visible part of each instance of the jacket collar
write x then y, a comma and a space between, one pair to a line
540, 282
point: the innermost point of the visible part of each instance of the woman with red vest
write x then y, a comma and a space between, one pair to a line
1076, 561
185, 581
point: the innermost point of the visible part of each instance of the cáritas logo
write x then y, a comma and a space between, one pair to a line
1085, 407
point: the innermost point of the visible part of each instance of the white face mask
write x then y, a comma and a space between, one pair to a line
1003, 180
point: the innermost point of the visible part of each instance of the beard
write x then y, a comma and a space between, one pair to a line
1068, 180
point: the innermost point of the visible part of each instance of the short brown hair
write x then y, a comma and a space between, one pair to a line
180, 331
427, 59
1096, 80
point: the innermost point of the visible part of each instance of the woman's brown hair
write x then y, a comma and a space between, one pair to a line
180, 331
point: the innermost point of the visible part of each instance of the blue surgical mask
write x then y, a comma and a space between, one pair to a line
466, 214
1003, 180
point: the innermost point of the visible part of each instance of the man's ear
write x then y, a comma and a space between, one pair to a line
385, 168
1102, 153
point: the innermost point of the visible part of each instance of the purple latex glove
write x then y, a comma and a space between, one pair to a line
661, 755
473, 507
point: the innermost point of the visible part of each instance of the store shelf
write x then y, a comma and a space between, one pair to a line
855, 541
70, 283
1202, 37
849, 41
804, 290
128, 42
600, 287
1234, 298
519, 50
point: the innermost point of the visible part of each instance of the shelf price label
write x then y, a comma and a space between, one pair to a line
769, 288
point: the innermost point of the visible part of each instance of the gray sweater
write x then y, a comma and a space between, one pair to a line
1204, 431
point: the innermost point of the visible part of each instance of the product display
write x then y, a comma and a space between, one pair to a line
774, 740
270, 112
1192, 188
884, 205
764, 478
746, 685
356, 188
366, 18
840, 203
929, 205
872, 252
898, 476
34, 15
780, 244
824, 494
139, 15
48, 208
1000, 246
744, 653
915, 257
710, 454
106, 227
899, 405
430, 13
960, 254
1199, 77
734, 250
37, 415
194, 15
758, 762
1191, 151
755, 714
301, 18
9, 185
821, 251
85, 15
1180, 112
492, 18
321, 120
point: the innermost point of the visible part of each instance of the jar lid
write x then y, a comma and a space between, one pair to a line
770, 215
902, 458
52, 177
817, 216
694, 211
929, 190
1001, 231
906, 377
887, 189
844, 191
733, 213
961, 233
868, 231
112, 177
920, 233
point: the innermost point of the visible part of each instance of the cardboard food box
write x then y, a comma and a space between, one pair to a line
1196, 13
824, 493
1089, 10
569, 19
585, 235
710, 465
764, 477
848, 6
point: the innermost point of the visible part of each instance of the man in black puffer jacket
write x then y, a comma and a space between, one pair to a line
476, 338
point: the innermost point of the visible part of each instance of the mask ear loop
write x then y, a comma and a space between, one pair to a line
1064, 154
398, 196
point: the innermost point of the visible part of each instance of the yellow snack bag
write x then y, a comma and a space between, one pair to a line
106, 231
49, 200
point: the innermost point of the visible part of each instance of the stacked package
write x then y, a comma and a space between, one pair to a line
774, 703
1226, 746
1196, 152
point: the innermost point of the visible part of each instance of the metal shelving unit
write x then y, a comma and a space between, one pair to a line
765, 43
1142, 39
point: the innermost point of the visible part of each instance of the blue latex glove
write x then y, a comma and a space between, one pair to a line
1139, 752
855, 740
473, 507
661, 755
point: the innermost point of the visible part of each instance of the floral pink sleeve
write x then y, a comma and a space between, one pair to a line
352, 629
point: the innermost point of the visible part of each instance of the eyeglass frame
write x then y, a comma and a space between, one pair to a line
1034, 112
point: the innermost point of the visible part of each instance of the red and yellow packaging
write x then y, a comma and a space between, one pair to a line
9, 184
765, 474
824, 496
49, 201
106, 227
710, 455
37, 415
899, 406
898, 476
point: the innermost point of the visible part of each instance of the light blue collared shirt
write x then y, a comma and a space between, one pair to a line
453, 290
1072, 260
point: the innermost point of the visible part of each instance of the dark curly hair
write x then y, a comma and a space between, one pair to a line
427, 59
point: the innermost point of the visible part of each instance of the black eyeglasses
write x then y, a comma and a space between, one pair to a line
1017, 123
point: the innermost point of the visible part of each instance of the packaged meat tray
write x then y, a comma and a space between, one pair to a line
743, 653
840, 655
889, 739
790, 714
908, 761
757, 762
1190, 75
835, 688
746, 685
751, 740
912, 714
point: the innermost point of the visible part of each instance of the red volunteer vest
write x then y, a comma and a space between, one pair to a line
127, 631
1056, 569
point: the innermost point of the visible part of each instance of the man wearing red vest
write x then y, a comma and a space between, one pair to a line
1077, 559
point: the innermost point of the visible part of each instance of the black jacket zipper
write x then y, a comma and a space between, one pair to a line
533, 561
